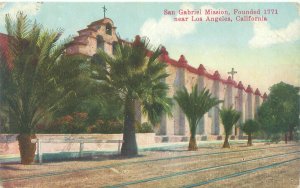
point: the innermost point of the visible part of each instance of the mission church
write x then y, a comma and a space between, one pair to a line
102, 34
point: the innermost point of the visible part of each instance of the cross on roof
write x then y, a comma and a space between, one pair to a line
232, 72
104, 10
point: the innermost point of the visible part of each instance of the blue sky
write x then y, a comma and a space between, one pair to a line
263, 53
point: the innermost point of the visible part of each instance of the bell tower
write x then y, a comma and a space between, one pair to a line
100, 34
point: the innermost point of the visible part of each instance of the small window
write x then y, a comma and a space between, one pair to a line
108, 29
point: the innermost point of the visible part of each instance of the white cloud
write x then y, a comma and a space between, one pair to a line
264, 36
158, 31
2, 5
26, 8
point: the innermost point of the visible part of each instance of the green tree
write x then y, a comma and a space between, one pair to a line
137, 76
100, 103
229, 117
39, 82
195, 105
249, 127
280, 112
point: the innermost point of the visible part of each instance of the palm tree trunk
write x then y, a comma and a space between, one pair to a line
193, 144
249, 140
226, 143
27, 149
235, 130
129, 146
286, 138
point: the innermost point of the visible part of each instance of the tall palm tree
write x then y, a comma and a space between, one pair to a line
195, 105
229, 117
249, 127
38, 81
137, 75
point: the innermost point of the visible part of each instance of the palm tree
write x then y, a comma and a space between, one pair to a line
229, 117
195, 105
137, 75
38, 80
249, 127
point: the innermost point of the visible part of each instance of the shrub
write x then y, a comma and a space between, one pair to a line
69, 124
78, 123
144, 128
106, 127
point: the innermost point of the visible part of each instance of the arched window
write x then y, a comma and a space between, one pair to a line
100, 42
108, 29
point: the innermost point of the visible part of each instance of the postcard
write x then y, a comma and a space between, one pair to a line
149, 94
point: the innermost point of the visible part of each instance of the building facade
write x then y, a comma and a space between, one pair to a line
102, 34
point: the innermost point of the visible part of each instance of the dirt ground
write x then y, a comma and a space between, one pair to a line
275, 165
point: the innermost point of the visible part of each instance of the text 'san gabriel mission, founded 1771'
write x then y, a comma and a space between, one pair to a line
220, 15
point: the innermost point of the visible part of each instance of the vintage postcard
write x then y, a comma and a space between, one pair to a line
149, 94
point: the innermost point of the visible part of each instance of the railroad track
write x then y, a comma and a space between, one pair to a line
237, 174
197, 170
141, 162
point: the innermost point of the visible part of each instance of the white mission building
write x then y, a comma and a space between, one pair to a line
102, 34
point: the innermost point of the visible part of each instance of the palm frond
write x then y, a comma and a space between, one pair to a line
135, 74
195, 104
41, 78
229, 117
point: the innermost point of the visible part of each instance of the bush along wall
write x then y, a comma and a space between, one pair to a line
77, 123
